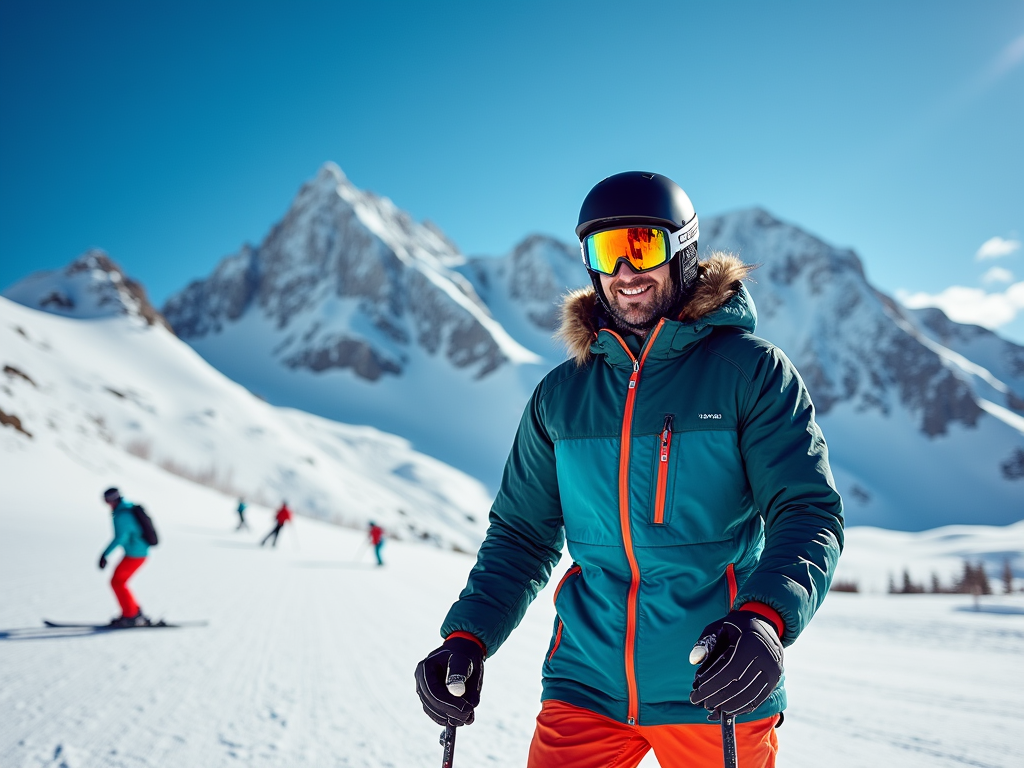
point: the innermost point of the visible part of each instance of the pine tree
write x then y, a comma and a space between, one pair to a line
984, 587
1007, 576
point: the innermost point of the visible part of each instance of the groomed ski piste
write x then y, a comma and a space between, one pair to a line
308, 656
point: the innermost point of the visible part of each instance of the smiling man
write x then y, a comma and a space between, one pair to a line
677, 458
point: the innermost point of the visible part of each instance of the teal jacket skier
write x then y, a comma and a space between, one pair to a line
682, 467
127, 535
127, 532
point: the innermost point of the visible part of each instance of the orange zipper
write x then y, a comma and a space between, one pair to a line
663, 454
558, 633
558, 640
633, 712
571, 572
730, 577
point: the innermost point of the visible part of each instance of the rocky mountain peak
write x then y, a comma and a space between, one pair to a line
91, 286
347, 280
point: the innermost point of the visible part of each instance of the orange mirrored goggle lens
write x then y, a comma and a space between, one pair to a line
643, 247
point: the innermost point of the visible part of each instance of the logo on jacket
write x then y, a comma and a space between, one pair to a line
709, 415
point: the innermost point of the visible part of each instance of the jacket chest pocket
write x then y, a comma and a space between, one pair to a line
663, 470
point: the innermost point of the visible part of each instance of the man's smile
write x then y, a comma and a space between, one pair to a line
634, 291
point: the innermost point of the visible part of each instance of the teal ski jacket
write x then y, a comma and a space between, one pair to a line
127, 532
686, 476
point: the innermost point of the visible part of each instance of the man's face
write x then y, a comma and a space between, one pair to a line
639, 299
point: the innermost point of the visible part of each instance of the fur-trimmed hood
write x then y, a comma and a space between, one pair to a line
718, 280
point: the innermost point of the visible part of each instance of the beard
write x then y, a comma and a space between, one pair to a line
639, 316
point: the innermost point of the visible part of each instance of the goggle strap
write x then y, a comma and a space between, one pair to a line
688, 234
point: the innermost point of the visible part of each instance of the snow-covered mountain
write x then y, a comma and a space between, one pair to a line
113, 390
90, 286
920, 435
924, 417
351, 310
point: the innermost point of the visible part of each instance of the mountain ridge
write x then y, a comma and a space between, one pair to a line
328, 315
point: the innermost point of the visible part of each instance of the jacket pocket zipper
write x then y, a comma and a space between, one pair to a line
664, 450
730, 580
558, 633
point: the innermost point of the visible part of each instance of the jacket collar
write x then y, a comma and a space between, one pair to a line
719, 298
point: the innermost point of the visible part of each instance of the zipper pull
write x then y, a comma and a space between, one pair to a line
666, 436
636, 374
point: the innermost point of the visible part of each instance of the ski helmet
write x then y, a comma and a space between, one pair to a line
111, 495
641, 198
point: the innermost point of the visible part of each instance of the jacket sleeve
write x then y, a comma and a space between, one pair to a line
786, 461
121, 534
523, 542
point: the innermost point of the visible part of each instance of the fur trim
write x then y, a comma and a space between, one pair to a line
578, 328
718, 280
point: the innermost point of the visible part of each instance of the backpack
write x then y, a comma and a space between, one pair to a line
146, 523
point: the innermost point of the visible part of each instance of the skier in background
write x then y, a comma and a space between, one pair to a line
677, 457
376, 536
283, 516
241, 515
128, 535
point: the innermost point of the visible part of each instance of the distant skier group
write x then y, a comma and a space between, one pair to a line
135, 533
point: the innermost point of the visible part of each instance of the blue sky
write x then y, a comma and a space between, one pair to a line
170, 134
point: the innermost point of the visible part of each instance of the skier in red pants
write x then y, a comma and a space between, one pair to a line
127, 534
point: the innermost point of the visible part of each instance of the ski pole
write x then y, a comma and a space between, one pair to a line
359, 550
729, 740
448, 742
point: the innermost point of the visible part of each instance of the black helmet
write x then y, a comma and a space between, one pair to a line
111, 495
636, 197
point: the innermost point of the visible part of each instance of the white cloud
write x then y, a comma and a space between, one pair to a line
971, 305
1009, 57
995, 247
997, 275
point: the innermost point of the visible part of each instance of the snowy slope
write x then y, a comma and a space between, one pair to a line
352, 310
108, 391
308, 657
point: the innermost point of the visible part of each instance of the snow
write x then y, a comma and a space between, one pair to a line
308, 656
107, 390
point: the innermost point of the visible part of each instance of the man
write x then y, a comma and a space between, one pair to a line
283, 516
376, 535
677, 456
127, 534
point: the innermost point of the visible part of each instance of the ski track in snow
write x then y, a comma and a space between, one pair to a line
308, 656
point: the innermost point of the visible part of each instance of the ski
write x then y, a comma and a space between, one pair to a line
107, 627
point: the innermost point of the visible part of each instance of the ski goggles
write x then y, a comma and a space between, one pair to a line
643, 248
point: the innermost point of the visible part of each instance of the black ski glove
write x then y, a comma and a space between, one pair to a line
740, 660
448, 681
103, 562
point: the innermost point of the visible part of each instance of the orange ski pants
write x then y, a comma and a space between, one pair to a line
573, 737
124, 571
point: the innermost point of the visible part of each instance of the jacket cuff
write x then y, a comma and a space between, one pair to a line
468, 636
767, 612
